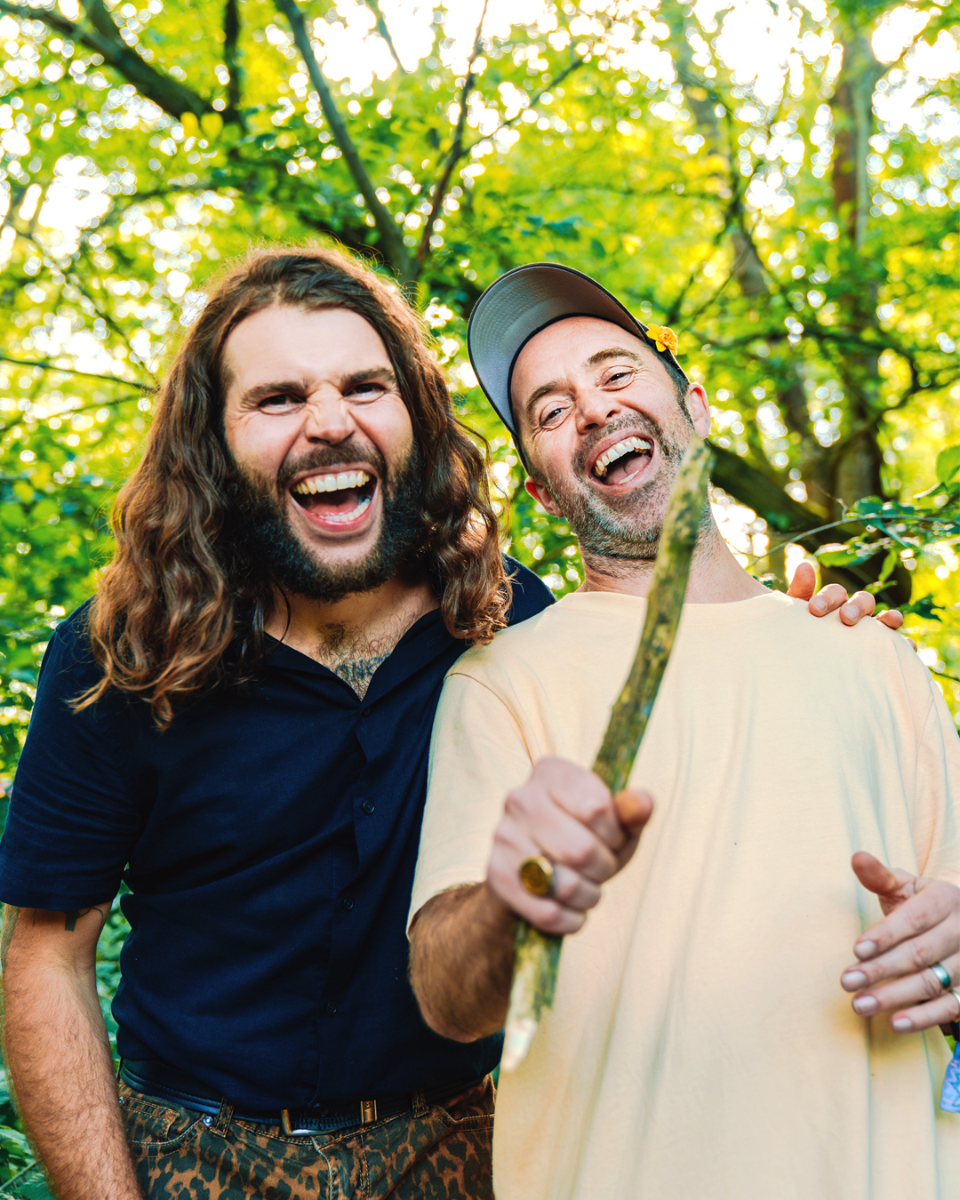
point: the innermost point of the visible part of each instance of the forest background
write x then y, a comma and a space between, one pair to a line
777, 182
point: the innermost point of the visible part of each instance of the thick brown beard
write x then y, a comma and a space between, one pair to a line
262, 543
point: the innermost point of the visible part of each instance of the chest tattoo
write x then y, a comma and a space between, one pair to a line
359, 671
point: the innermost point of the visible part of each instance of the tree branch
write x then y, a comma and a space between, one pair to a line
63, 413
384, 32
231, 60
46, 365
456, 150
99, 34
390, 233
677, 305
578, 61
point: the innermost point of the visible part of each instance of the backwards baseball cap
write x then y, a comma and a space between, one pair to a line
525, 301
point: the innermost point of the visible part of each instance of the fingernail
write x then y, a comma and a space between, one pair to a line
865, 950
853, 980
851, 611
902, 1024
865, 1006
818, 605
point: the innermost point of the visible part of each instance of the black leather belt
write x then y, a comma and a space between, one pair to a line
169, 1083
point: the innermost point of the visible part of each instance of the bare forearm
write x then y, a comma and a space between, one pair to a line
461, 962
60, 1067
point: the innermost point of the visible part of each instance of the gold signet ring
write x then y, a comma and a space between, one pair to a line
536, 875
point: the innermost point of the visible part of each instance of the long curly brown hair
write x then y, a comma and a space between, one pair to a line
177, 612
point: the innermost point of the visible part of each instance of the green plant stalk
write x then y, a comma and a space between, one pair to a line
536, 954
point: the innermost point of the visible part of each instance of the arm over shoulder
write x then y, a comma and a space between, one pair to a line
72, 819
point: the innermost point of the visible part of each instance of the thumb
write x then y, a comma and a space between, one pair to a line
876, 877
634, 810
803, 583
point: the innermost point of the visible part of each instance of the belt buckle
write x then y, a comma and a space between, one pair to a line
293, 1124
307, 1122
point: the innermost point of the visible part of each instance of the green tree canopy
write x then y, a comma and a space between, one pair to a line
794, 221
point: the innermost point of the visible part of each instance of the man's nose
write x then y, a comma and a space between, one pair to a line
595, 407
327, 417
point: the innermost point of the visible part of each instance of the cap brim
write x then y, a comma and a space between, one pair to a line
521, 303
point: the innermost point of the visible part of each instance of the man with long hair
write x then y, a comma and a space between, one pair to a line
237, 728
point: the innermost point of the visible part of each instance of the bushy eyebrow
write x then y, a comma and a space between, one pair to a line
378, 374
302, 387
594, 360
603, 356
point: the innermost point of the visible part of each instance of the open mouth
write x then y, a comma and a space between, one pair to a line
618, 464
335, 497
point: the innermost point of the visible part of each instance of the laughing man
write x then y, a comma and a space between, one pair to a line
700, 1045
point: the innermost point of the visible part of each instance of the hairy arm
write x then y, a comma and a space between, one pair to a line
58, 1054
461, 941
461, 962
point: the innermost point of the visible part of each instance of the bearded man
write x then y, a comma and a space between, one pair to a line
699, 1044
237, 728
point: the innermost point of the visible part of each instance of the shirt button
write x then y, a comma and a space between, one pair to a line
331, 1009
368, 806
346, 904
366, 713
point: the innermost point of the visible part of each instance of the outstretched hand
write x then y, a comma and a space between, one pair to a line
921, 926
834, 596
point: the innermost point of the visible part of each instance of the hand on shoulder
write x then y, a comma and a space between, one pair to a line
834, 596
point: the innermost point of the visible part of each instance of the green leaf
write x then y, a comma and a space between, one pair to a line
837, 555
948, 464
923, 607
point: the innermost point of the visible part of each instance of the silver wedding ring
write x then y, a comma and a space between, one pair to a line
943, 975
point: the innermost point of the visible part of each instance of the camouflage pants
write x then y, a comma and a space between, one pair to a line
434, 1152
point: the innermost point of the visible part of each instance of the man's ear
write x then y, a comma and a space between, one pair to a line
699, 408
541, 493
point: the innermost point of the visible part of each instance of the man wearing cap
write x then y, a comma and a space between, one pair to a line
700, 1043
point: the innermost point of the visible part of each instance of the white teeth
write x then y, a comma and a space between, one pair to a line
331, 483
627, 446
341, 518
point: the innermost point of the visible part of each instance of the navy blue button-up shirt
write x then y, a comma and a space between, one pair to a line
269, 839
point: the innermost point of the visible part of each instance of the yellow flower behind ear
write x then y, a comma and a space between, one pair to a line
664, 338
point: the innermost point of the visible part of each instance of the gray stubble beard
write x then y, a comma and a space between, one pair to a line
631, 531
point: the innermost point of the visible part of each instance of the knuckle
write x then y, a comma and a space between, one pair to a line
565, 891
518, 801
553, 918
917, 955
917, 917
595, 808
931, 986
578, 857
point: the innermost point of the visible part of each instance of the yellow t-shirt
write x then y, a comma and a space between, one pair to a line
700, 1046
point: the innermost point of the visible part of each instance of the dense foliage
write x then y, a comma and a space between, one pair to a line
794, 220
